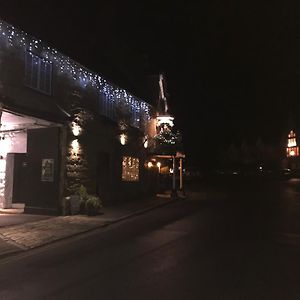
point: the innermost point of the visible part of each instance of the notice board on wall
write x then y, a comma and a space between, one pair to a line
47, 169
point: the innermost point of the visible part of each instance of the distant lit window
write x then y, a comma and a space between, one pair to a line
292, 148
38, 73
130, 169
292, 151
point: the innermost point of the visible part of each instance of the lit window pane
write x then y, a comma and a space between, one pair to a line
130, 169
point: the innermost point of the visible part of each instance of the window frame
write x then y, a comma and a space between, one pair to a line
41, 75
130, 175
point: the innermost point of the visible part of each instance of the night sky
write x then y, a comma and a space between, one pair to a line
232, 68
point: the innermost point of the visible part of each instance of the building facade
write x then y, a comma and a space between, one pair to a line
63, 126
292, 159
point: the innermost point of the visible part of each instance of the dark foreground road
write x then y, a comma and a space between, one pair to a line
231, 240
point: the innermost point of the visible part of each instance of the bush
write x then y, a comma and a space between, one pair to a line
82, 206
82, 193
92, 205
88, 204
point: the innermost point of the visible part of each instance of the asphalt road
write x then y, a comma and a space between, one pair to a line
230, 240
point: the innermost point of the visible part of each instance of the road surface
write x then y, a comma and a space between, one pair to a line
229, 240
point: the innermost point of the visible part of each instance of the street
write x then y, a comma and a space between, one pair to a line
233, 239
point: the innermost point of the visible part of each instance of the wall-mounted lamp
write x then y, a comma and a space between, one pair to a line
159, 166
149, 164
76, 129
146, 144
123, 139
75, 147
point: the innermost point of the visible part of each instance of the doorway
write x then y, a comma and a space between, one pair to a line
13, 155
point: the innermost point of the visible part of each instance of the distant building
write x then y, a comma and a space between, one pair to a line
292, 150
166, 149
292, 160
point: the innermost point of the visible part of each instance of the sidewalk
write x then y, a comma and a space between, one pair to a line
28, 235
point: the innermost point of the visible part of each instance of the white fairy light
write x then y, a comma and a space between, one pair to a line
9, 35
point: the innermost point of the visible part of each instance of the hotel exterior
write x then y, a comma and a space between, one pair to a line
63, 126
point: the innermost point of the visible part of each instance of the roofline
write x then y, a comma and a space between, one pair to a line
44, 45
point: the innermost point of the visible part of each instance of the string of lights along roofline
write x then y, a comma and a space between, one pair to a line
18, 38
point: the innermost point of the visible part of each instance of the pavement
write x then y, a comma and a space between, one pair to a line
22, 232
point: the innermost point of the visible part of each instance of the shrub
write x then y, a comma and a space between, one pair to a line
92, 205
82, 193
82, 206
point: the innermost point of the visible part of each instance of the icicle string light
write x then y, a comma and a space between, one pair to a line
12, 37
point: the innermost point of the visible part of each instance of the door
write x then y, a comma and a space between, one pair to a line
43, 169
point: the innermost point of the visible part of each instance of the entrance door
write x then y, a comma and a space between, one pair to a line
43, 169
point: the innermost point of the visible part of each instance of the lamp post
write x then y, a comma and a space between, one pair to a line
181, 156
174, 192
181, 179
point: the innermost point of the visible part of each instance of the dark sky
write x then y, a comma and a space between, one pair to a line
233, 68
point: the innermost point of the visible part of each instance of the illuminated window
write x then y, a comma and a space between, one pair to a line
38, 73
130, 169
292, 149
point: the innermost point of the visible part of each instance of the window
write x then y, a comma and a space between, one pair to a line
292, 151
106, 106
38, 73
130, 169
135, 117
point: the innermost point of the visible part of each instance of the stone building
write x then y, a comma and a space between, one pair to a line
62, 126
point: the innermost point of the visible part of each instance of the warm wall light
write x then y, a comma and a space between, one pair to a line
150, 164
75, 147
76, 129
158, 165
123, 139
146, 144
